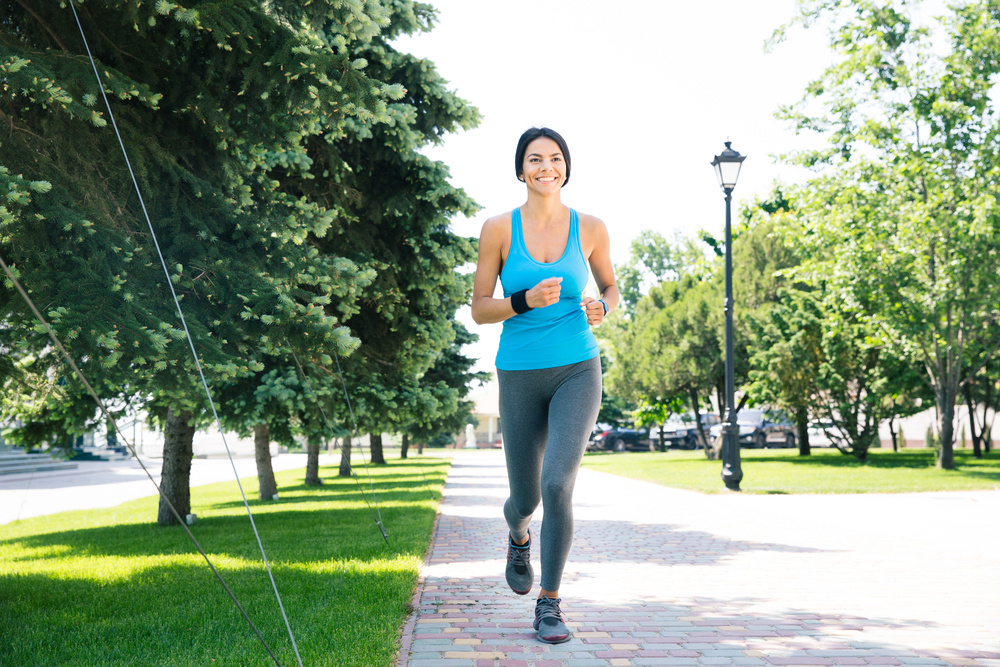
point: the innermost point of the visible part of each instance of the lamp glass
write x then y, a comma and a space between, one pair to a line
728, 172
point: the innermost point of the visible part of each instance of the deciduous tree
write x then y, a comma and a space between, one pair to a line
905, 213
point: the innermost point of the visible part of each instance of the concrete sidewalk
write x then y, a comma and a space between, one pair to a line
108, 483
660, 576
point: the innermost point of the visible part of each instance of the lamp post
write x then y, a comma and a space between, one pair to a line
727, 170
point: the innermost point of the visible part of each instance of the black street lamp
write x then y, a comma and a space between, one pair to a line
727, 169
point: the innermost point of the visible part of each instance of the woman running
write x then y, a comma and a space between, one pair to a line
548, 364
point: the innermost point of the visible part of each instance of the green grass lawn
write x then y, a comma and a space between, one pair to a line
109, 587
825, 471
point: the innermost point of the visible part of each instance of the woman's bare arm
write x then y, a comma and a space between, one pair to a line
485, 308
600, 265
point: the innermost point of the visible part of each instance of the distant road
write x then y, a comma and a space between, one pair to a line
108, 483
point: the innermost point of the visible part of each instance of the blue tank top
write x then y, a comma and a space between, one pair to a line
555, 335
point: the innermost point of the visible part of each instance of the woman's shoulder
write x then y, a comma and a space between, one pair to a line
497, 225
499, 220
589, 222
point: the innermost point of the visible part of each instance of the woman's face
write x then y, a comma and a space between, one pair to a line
544, 168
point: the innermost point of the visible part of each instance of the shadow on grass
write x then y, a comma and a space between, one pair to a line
988, 466
288, 533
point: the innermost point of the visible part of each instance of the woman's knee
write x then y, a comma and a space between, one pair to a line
557, 490
522, 507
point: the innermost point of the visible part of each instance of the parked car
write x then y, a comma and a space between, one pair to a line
760, 429
683, 432
620, 439
818, 433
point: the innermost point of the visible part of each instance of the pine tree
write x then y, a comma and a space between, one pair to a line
394, 207
215, 103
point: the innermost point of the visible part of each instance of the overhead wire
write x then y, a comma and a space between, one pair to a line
201, 374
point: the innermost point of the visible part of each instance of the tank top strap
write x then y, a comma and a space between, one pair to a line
516, 233
574, 231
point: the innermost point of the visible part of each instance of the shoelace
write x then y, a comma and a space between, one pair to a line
548, 608
518, 556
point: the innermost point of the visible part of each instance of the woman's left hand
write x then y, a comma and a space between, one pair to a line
594, 310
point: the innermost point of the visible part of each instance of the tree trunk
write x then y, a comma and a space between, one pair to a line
420, 448
709, 451
977, 438
345, 457
946, 429
892, 432
312, 463
375, 448
802, 428
262, 451
986, 432
175, 476
112, 436
405, 447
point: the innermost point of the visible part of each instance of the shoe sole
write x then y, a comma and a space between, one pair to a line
542, 639
520, 592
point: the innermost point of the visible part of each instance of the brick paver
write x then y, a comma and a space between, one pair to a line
660, 576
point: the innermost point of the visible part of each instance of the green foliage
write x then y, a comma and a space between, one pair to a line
394, 208
277, 146
669, 349
654, 259
903, 223
214, 101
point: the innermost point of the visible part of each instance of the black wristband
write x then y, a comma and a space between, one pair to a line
519, 302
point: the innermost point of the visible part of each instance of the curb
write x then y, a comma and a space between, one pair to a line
406, 636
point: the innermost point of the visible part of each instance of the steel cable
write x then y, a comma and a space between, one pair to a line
376, 517
187, 333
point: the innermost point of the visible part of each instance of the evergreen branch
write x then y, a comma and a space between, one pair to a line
44, 25
10, 121
114, 45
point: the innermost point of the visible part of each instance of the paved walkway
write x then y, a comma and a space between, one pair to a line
660, 576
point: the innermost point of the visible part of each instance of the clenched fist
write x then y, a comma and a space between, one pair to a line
544, 293
594, 310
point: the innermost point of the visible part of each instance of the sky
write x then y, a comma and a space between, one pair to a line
644, 92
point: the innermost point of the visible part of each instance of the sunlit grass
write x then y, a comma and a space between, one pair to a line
825, 471
109, 587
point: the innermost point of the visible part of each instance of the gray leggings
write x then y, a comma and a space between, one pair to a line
547, 416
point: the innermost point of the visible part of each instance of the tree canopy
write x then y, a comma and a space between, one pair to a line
276, 147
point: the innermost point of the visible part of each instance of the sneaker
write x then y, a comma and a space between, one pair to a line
520, 576
549, 621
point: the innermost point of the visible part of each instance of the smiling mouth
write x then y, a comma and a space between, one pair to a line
547, 179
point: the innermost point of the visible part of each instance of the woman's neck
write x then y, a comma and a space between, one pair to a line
543, 210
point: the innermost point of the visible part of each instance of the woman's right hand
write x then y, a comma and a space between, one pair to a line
544, 293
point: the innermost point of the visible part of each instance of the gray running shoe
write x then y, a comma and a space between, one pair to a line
520, 576
550, 622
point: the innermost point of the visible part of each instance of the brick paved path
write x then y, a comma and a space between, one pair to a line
659, 576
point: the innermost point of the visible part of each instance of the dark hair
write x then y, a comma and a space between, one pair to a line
531, 135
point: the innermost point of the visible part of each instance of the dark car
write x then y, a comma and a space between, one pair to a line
682, 433
760, 429
620, 439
